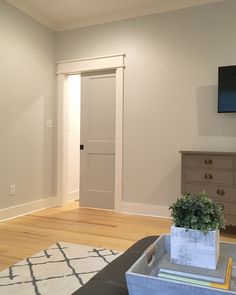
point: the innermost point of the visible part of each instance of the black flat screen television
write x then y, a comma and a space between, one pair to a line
227, 89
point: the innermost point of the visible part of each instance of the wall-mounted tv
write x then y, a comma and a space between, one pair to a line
227, 89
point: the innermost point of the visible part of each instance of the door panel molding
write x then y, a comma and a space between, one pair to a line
64, 69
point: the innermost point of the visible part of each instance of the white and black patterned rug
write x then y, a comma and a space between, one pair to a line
60, 269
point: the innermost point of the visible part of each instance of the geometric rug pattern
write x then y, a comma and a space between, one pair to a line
61, 269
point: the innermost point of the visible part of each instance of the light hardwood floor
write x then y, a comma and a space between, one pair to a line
24, 236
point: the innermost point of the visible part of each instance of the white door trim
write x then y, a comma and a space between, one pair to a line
77, 67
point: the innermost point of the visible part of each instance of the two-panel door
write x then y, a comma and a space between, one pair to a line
97, 170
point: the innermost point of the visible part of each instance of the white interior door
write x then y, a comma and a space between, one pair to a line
98, 111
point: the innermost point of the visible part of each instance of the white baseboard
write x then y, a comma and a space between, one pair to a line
73, 196
147, 210
23, 209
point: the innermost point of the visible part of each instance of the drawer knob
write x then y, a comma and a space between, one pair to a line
208, 176
208, 161
220, 192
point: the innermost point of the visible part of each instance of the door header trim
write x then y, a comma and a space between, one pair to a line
90, 64
89, 58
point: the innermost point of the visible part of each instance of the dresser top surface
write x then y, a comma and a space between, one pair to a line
208, 153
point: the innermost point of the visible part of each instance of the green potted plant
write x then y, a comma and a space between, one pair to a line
195, 234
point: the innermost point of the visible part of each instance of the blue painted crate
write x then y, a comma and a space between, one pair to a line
142, 279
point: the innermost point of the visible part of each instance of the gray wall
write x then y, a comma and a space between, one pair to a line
27, 91
170, 90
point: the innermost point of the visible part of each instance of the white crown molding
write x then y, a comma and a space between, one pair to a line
149, 10
34, 14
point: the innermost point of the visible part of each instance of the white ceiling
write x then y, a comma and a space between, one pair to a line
68, 14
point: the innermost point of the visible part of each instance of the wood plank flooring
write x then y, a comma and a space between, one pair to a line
24, 236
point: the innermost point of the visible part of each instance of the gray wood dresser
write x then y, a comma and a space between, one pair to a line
213, 172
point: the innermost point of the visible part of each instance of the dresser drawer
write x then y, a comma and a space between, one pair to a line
196, 189
226, 194
218, 193
207, 176
229, 208
208, 162
230, 219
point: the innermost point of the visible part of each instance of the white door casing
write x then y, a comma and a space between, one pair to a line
65, 68
74, 94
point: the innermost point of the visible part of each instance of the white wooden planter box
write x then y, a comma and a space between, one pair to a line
195, 248
142, 278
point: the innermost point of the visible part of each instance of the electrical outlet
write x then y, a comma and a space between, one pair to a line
12, 189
